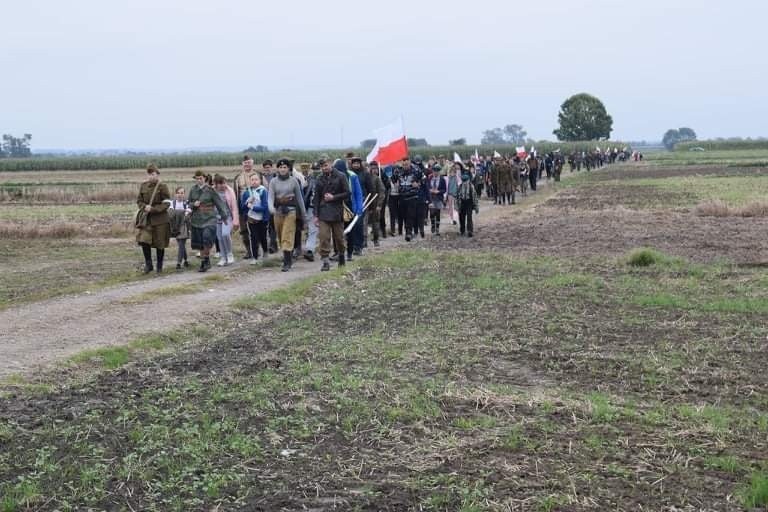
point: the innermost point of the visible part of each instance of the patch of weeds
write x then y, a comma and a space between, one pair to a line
109, 357
290, 294
756, 493
646, 257
601, 410
727, 463
573, 280
550, 503
19, 496
663, 300
469, 423
514, 440
169, 291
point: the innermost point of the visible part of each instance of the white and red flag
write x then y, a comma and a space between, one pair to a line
391, 144
521, 152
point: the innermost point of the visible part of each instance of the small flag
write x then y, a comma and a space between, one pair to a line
496, 154
477, 157
457, 158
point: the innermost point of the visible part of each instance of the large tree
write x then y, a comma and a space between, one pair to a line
510, 134
672, 137
458, 142
583, 117
514, 134
16, 147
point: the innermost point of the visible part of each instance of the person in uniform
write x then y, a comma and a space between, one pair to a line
468, 202
241, 183
205, 203
375, 210
286, 205
154, 199
331, 191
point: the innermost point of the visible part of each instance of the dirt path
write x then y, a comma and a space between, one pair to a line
39, 334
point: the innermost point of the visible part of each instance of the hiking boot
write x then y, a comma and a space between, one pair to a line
148, 268
356, 252
326, 265
341, 260
309, 256
178, 266
286, 261
186, 264
205, 264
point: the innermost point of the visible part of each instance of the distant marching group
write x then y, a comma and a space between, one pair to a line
332, 208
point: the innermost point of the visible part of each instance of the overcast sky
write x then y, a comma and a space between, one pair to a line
188, 73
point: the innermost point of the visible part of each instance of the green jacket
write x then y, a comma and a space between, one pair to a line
210, 203
159, 213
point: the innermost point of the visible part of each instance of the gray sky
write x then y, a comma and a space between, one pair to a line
188, 73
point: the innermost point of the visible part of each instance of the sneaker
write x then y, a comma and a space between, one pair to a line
217, 255
230, 259
254, 261
222, 262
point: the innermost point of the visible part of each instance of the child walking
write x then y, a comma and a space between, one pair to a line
223, 228
255, 203
180, 226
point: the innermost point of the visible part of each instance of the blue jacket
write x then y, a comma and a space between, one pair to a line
356, 196
261, 206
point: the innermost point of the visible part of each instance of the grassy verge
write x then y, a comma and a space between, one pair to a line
423, 380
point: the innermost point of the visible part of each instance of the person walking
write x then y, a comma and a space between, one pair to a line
331, 191
154, 231
206, 205
286, 205
178, 214
255, 203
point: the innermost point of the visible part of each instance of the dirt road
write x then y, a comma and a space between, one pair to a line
39, 334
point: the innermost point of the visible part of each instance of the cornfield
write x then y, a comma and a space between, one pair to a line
233, 160
720, 145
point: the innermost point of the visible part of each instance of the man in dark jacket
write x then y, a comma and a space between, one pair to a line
359, 232
331, 190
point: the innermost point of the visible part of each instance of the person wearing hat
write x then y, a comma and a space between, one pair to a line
241, 183
360, 231
153, 200
468, 202
375, 210
206, 203
286, 205
301, 175
354, 201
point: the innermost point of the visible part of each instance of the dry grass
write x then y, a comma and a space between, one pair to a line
718, 208
58, 230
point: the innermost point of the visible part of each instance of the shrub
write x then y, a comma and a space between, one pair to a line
646, 257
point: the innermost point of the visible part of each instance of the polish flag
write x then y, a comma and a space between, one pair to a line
391, 144
521, 152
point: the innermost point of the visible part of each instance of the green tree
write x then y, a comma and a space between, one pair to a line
514, 134
16, 147
671, 137
686, 134
368, 143
583, 117
493, 136
458, 142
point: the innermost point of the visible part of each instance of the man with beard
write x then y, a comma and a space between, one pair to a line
331, 191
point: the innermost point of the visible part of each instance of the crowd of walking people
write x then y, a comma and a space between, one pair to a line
331, 210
